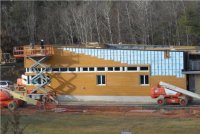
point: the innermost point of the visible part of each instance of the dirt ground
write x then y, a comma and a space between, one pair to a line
165, 112
106, 119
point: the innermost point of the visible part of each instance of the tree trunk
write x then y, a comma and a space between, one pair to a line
96, 24
130, 26
118, 25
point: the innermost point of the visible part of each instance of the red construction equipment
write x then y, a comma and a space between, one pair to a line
18, 96
169, 94
12, 100
164, 97
6, 100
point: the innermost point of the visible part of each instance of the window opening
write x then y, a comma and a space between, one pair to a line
85, 69
144, 79
110, 68
72, 69
101, 80
63, 69
131, 68
91, 69
143, 68
117, 68
100, 69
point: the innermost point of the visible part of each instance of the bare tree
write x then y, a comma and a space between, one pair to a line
31, 20
96, 21
138, 22
106, 8
118, 22
130, 29
66, 24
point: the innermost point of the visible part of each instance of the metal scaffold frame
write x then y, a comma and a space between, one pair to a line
40, 80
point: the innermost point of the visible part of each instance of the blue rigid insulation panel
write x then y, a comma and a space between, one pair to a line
159, 65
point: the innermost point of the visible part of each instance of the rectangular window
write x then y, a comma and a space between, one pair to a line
85, 69
131, 68
144, 68
72, 69
110, 68
48, 69
100, 68
101, 80
55, 69
117, 68
144, 79
91, 68
63, 69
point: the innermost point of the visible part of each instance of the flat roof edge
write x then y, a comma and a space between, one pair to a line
191, 72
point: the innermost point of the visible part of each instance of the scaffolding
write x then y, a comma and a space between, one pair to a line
38, 55
30, 51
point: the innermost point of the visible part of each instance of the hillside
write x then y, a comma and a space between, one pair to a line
75, 22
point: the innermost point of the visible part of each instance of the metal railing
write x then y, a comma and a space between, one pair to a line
37, 50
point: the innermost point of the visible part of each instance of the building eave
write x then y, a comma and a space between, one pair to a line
191, 72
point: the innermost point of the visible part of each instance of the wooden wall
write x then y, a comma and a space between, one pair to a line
117, 83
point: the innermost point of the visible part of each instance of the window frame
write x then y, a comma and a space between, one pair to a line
91, 69
101, 76
117, 69
142, 68
110, 69
132, 70
145, 81
85, 69
72, 68
104, 69
64, 69
56, 70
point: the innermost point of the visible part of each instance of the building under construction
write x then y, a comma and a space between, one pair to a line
109, 73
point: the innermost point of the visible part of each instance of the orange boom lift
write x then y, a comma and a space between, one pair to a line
170, 94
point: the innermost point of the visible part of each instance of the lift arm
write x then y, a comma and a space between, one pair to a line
180, 90
21, 97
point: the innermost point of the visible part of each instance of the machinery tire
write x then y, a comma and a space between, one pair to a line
24, 104
161, 102
12, 106
183, 102
44, 99
190, 100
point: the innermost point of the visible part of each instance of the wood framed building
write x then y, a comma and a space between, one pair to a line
106, 74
